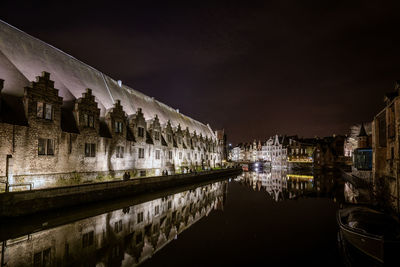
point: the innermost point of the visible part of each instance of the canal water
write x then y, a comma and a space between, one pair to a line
265, 218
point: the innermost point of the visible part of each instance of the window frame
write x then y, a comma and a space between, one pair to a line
90, 150
140, 131
141, 153
47, 148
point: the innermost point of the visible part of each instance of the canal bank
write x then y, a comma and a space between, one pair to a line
28, 202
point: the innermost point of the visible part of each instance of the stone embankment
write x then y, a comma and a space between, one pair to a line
13, 204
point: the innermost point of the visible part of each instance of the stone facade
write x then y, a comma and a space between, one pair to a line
385, 145
58, 142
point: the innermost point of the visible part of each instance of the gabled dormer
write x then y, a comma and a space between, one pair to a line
195, 141
201, 142
137, 124
116, 120
155, 130
207, 144
169, 134
187, 139
42, 103
179, 136
87, 113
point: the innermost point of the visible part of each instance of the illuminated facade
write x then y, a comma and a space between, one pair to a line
385, 146
54, 130
300, 151
124, 237
276, 151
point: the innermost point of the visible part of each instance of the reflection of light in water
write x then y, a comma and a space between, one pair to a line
278, 183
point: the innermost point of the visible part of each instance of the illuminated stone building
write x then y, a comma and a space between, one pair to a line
276, 151
300, 150
351, 142
385, 145
124, 237
63, 121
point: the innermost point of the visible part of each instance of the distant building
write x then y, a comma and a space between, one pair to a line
301, 150
287, 152
329, 152
362, 155
277, 151
351, 142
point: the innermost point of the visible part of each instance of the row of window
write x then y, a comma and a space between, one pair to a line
46, 147
45, 111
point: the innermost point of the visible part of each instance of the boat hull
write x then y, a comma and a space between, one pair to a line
369, 244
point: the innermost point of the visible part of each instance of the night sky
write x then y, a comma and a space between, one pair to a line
287, 67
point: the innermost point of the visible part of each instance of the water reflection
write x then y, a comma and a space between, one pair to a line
282, 185
127, 234
124, 237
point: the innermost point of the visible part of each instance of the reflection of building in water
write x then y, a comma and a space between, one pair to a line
281, 185
122, 237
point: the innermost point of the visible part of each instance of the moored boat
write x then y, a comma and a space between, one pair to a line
372, 232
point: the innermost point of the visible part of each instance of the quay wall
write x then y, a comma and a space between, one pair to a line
28, 202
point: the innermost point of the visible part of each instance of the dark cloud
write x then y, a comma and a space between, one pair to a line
295, 67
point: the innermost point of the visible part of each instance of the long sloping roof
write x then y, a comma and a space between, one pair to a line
23, 57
